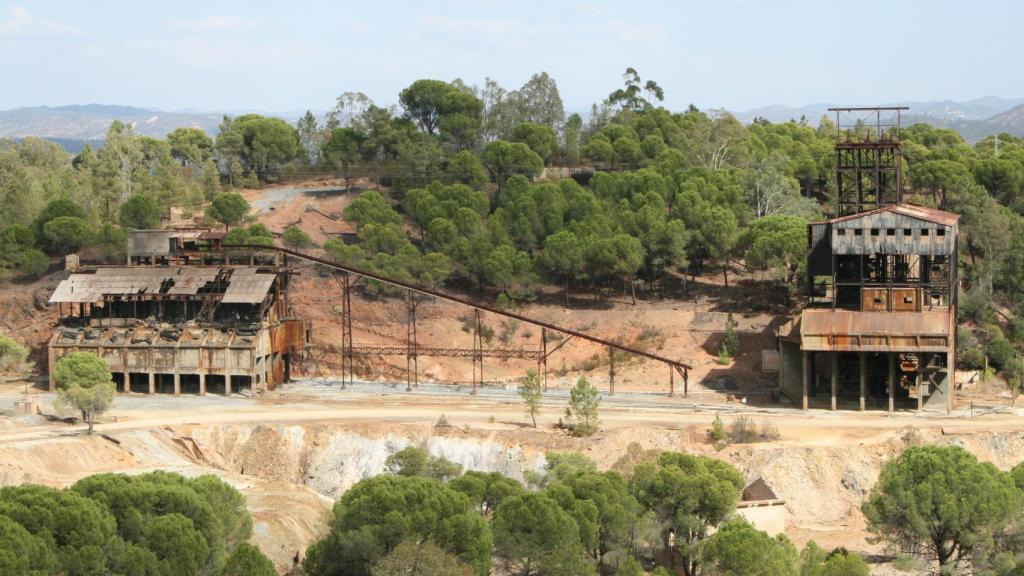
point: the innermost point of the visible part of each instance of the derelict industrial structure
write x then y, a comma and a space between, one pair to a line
879, 328
184, 316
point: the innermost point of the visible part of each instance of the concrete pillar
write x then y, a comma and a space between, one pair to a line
202, 384
833, 361
177, 384
126, 386
805, 374
152, 383
227, 384
950, 380
892, 381
919, 382
863, 378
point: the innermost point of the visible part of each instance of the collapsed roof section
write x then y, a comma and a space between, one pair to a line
240, 285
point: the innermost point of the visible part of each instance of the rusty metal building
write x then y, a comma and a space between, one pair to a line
879, 328
183, 317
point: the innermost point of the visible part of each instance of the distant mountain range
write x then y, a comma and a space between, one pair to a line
74, 126
974, 119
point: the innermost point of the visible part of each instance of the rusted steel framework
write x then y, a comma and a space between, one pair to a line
868, 158
411, 295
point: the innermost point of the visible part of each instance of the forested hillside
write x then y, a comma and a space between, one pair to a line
501, 192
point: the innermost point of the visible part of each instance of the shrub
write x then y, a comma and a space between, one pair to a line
12, 354
717, 431
730, 340
743, 430
1000, 352
583, 403
32, 262
295, 237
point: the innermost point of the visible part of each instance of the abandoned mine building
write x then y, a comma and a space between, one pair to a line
879, 327
183, 316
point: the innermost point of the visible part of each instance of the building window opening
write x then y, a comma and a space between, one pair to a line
908, 232
874, 231
890, 232
858, 232
924, 231
940, 232
841, 232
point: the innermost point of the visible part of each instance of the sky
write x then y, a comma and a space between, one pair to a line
285, 56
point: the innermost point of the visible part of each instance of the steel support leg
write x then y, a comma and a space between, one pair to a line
892, 381
611, 370
863, 357
834, 365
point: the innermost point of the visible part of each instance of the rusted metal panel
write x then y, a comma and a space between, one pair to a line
906, 299
844, 330
874, 299
290, 334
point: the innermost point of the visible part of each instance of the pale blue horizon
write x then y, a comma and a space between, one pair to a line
736, 54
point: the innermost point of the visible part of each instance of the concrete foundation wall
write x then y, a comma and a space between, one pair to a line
790, 367
769, 518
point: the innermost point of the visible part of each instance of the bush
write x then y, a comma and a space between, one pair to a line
968, 352
294, 237
32, 263
140, 212
730, 340
583, 402
1000, 352
974, 306
743, 430
67, 234
12, 354
717, 431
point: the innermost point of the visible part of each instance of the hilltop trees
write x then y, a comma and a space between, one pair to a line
190, 146
258, 143
343, 148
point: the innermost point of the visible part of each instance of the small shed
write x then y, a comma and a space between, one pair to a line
762, 507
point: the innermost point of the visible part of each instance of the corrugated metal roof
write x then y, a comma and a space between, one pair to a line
247, 286
190, 280
911, 210
849, 322
79, 288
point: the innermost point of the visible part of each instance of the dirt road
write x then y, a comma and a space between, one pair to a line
369, 402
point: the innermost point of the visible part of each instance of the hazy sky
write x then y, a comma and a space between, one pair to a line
284, 56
